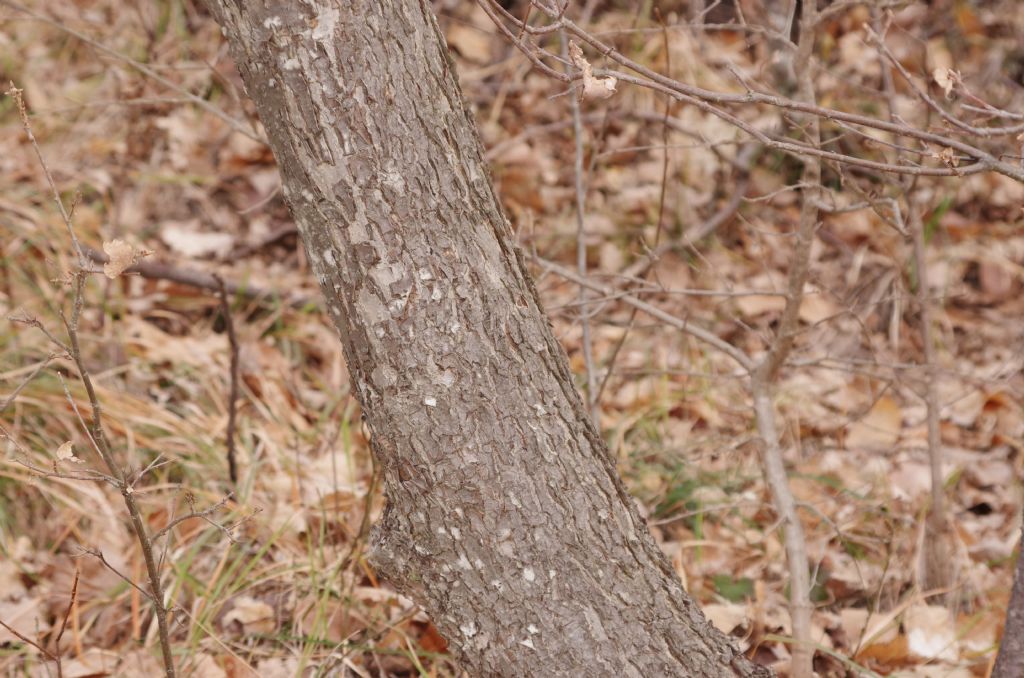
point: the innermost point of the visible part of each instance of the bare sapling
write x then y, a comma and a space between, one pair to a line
116, 472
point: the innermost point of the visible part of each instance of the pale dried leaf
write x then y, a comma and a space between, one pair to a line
853, 621
947, 156
816, 307
279, 667
752, 305
879, 429
996, 280
946, 79
471, 42
726, 618
910, 480
964, 406
255, 616
593, 87
143, 662
184, 237
598, 88
986, 472
184, 136
11, 585
206, 667
92, 663
121, 255
931, 633
66, 452
24, 616
935, 671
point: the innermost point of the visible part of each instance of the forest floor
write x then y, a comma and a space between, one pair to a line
274, 581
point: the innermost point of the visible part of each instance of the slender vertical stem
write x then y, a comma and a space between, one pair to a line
229, 326
763, 378
95, 429
937, 555
581, 247
931, 397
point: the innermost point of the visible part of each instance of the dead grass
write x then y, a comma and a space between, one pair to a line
292, 595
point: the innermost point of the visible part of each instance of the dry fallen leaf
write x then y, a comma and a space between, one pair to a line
909, 480
93, 663
11, 584
593, 87
853, 621
121, 257
206, 666
187, 238
816, 307
142, 662
255, 616
885, 653
879, 429
279, 667
752, 305
996, 280
471, 42
726, 618
931, 633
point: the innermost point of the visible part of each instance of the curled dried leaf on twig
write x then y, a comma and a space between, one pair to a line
947, 79
948, 157
593, 87
66, 452
121, 256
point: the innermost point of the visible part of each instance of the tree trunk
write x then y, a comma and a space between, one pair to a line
506, 519
1010, 661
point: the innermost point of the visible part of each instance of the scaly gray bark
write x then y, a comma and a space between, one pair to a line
1010, 661
506, 519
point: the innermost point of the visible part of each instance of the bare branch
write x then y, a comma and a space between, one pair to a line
200, 279
142, 68
685, 326
879, 43
711, 102
6, 402
192, 515
95, 432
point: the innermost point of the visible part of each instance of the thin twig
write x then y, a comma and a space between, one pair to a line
662, 194
25, 639
581, 247
64, 622
225, 309
6, 402
883, 49
191, 515
19, 101
685, 326
199, 279
96, 553
712, 102
142, 68
95, 431
938, 560
762, 381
